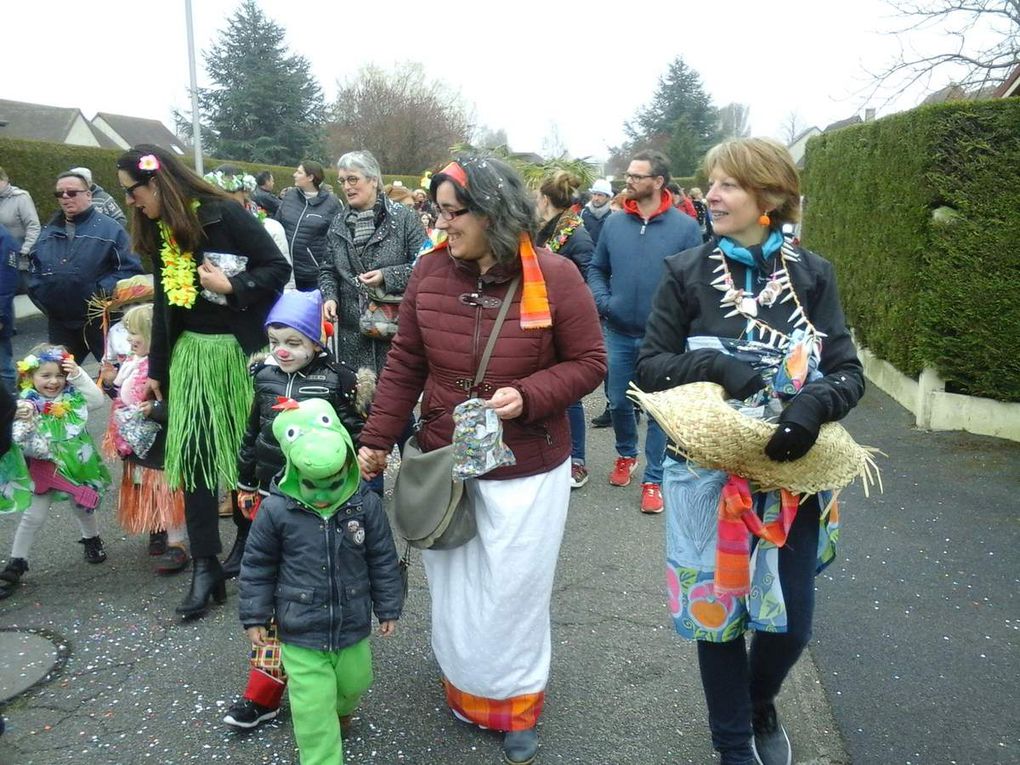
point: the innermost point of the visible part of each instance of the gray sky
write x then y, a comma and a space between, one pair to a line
585, 67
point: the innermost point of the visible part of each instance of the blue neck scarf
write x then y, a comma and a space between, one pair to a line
756, 256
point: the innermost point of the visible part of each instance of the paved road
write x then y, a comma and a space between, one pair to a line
142, 686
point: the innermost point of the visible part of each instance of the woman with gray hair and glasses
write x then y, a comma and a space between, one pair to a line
370, 249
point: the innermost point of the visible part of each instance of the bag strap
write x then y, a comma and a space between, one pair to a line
494, 335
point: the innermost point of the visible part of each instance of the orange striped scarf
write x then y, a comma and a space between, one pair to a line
736, 518
535, 312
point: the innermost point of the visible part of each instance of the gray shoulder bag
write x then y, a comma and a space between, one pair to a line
432, 510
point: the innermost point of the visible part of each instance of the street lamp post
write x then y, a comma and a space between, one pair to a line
196, 123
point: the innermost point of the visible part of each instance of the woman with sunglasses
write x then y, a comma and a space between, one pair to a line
491, 596
207, 320
371, 247
80, 252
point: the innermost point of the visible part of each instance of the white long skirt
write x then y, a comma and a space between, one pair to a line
490, 600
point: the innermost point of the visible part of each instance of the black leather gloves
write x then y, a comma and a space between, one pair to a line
790, 442
739, 378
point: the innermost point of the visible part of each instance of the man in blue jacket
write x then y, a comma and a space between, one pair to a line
79, 253
623, 276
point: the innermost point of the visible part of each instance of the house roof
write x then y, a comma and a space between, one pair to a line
37, 122
804, 134
136, 130
854, 120
1010, 86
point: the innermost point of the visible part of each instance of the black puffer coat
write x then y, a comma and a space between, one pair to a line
261, 459
320, 577
306, 222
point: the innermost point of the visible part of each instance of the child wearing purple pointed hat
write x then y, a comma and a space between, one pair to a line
298, 367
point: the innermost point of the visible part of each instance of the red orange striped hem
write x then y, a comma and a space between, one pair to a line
516, 713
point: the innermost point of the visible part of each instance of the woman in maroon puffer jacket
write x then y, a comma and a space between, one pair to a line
490, 597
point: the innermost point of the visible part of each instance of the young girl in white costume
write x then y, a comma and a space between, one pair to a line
51, 429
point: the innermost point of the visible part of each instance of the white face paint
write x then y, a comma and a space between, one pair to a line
290, 348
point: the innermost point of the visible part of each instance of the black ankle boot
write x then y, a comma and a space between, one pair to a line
10, 577
206, 581
232, 563
94, 552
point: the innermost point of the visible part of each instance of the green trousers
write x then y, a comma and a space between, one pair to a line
324, 685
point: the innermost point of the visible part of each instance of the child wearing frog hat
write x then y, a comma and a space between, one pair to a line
319, 559
298, 367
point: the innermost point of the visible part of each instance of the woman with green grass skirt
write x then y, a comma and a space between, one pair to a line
217, 275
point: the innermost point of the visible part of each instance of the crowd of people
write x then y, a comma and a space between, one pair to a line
285, 345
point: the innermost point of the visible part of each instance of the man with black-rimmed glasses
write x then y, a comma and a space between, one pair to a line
623, 275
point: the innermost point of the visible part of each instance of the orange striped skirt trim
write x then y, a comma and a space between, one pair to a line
517, 713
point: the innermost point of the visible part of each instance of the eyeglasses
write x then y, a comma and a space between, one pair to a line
638, 176
351, 180
451, 214
130, 190
69, 193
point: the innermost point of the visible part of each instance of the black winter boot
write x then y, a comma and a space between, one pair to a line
232, 563
206, 581
10, 577
94, 552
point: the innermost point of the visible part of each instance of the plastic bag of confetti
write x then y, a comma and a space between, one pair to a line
478, 440
137, 431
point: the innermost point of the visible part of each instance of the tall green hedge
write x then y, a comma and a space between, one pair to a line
34, 165
920, 213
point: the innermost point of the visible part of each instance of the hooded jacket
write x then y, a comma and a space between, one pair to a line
64, 273
628, 261
261, 458
320, 577
306, 221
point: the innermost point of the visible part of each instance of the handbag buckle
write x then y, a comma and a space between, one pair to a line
479, 300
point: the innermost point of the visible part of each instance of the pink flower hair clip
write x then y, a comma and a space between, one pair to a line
148, 163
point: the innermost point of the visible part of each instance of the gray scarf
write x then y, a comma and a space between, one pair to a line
600, 212
362, 225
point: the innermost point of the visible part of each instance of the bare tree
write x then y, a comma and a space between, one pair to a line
733, 121
553, 144
408, 121
982, 44
488, 138
791, 127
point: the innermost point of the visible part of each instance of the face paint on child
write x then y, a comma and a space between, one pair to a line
290, 348
322, 493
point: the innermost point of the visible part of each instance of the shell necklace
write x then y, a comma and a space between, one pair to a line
740, 302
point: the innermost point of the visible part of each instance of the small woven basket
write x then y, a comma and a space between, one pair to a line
711, 433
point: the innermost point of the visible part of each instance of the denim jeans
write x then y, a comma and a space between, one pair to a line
623, 353
575, 416
734, 680
8, 375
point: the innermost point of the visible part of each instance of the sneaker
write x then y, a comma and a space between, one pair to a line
246, 714
651, 498
603, 420
625, 466
771, 745
578, 475
157, 543
94, 552
173, 560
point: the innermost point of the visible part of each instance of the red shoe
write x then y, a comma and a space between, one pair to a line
578, 475
625, 466
651, 498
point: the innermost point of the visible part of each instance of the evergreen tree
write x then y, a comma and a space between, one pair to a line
266, 106
680, 120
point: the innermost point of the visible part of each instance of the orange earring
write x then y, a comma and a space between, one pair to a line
764, 220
